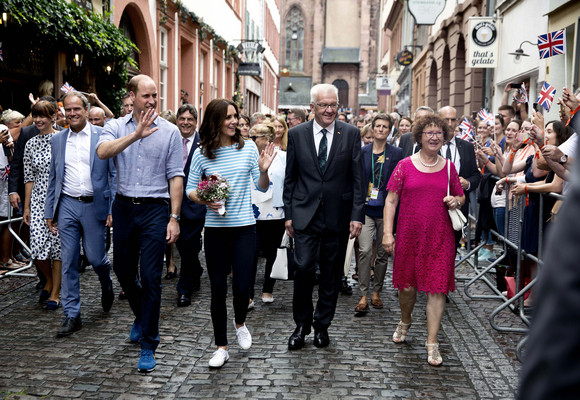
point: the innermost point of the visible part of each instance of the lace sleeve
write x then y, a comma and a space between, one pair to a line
397, 179
454, 184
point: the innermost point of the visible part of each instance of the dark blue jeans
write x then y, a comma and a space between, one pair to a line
229, 249
138, 248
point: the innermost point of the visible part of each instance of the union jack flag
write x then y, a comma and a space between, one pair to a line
486, 116
551, 44
67, 88
1, 54
466, 130
5, 172
523, 95
546, 96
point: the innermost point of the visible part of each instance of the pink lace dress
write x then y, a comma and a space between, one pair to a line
425, 241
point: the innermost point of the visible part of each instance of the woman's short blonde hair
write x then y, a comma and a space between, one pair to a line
265, 129
10, 115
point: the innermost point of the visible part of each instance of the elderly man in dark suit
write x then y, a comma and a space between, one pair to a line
462, 154
323, 202
406, 142
192, 214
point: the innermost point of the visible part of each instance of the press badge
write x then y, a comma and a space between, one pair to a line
374, 193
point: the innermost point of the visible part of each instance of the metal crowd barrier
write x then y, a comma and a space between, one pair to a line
516, 303
18, 271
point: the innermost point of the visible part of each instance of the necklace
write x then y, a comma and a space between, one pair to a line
428, 165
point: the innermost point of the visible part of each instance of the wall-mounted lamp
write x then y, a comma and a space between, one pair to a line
108, 69
78, 59
519, 53
4, 19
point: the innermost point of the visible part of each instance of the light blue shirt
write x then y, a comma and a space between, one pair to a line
240, 169
145, 166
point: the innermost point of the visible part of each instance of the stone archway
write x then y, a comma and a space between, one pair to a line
443, 92
457, 77
431, 92
343, 88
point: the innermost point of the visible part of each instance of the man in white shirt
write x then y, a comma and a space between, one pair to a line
79, 198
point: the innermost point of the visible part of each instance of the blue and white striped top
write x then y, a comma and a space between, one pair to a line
240, 169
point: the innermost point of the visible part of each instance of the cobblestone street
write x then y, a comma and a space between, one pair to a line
361, 362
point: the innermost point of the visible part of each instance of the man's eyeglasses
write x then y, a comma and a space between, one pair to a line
433, 134
324, 106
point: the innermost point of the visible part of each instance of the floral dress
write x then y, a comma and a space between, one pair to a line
36, 160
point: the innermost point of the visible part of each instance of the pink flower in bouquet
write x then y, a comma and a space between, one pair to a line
214, 188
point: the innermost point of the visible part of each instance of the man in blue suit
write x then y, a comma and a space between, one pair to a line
79, 198
192, 214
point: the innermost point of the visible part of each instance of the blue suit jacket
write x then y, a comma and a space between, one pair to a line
189, 208
103, 176
393, 155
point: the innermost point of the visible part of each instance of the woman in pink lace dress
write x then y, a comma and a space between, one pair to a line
424, 251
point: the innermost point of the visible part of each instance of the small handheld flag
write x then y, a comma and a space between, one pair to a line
551, 44
546, 96
466, 130
486, 116
67, 88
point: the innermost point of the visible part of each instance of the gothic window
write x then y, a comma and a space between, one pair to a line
295, 39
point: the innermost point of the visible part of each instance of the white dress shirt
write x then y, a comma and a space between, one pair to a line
455, 157
77, 164
318, 136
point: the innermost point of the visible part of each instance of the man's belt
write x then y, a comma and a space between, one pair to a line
82, 199
142, 200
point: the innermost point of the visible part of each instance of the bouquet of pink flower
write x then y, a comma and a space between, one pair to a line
215, 188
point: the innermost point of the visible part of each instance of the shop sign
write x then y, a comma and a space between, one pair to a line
483, 45
426, 12
405, 57
249, 69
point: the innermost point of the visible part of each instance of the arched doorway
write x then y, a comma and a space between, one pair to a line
443, 99
342, 87
431, 92
127, 27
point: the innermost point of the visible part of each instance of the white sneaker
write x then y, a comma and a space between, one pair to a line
244, 337
220, 356
251, 305
267, 299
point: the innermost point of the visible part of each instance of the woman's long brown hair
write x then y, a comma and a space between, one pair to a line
213, 120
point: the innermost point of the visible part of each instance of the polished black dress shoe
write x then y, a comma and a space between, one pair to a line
345, 288
69, 326
171, 275
321, 338
107, 297
296, 341
183, 301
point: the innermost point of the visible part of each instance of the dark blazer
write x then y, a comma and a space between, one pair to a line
339, 191
468, 169
103, 173
190, 209
393, 155
406, 143
16, 176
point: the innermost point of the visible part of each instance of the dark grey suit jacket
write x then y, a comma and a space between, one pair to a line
339, 192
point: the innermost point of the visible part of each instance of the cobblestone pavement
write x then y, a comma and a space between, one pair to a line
360, 363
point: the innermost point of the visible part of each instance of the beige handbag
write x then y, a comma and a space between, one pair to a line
457, 217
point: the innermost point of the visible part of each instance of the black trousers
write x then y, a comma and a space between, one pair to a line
229, 249
270, 233
189, 246
332, 247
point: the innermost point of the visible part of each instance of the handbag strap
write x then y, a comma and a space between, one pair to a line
448, 176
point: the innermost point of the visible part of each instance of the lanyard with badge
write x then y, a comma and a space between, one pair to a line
373, 191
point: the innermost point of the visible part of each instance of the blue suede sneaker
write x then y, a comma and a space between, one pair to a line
136, 332
146, 361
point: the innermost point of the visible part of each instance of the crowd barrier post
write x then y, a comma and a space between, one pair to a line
18, 271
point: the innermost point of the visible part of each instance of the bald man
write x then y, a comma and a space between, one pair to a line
97, 116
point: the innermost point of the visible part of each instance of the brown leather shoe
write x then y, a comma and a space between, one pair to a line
376, 301
362, 306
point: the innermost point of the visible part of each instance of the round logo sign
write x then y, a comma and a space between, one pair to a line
405, 57
484, 34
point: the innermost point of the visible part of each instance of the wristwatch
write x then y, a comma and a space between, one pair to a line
564, 159
175, 217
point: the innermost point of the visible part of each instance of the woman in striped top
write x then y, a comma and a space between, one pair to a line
230, 240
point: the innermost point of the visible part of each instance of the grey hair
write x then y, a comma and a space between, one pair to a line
426, 108
79, 95
445, 109
9, 115
322, 87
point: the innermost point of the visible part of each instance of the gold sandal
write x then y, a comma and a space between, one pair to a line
400, 333
433, 354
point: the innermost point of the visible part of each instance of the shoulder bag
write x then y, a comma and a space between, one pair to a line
457, 217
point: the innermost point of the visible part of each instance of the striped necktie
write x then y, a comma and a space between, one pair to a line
322, 150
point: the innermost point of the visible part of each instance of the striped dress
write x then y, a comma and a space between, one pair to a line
240, 169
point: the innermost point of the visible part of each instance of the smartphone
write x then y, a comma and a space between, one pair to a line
515, 85
537, 107
7, 150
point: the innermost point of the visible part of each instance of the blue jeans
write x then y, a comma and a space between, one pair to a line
499, 217
138, 249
